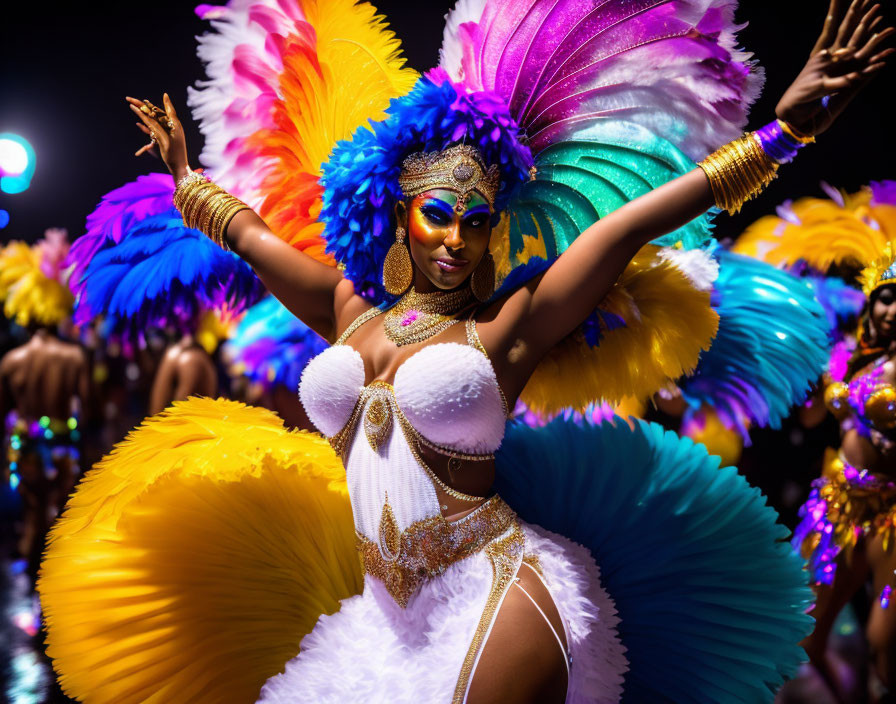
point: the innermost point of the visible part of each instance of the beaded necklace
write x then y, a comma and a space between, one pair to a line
420, 316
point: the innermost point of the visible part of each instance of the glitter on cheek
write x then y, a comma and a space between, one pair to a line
424, 231
885, 597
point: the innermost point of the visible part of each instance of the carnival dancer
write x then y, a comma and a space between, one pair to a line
480, 219
44, 386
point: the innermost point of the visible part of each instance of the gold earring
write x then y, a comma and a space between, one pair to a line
482, 282
398, 271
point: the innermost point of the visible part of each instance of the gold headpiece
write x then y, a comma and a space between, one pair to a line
881, 272
459, 168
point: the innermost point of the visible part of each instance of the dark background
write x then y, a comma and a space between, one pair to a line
66, 67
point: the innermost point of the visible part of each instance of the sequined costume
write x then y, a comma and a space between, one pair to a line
849, 502
845, 503
222, 551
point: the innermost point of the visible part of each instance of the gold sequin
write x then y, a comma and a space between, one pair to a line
404, 559
390, 536
378, 418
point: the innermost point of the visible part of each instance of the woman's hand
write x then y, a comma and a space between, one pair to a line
165, 132
847, 55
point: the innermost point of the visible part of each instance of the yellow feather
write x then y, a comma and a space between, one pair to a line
191, 561
363, 71
668, 324
28, 295
828, 235
331, 84
719, 440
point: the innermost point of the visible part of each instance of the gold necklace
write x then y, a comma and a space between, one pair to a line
420, 316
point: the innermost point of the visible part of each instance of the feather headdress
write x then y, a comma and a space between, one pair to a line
880, 272
32, 280
846, 230
309, 111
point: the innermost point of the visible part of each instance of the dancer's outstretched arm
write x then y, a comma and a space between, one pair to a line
847, 55
312, 291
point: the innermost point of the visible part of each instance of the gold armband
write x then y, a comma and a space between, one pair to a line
206, 207
739, 171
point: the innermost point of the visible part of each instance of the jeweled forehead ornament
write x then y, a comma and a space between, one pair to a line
459, 168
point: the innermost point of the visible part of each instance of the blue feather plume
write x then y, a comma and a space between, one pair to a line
772, 345
711, 599
271, 346
161, 274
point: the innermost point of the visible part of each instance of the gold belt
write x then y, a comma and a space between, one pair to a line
402, 560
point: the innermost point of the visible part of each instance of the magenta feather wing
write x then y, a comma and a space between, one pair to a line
668, 65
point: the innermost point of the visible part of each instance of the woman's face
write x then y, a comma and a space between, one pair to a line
883, 314
446, 246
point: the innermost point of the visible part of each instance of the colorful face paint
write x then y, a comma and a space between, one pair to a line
433, 214
445, 244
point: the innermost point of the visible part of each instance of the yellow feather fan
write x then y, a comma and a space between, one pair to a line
668, 323
30, 285
823, 233
335, 66
211, 527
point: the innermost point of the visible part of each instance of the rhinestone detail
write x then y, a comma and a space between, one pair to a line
403, 560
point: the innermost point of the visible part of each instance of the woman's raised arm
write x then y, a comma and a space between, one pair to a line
311, 290
847, 55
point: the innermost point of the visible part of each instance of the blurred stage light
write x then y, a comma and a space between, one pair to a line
16, 163
4, 218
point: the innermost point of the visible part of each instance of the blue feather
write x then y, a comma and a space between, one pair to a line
162, 274
272, 346
772, 345
711, 600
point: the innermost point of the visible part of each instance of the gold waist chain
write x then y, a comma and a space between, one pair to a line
402, 560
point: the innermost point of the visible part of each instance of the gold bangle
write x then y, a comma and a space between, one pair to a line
190, 200
216, 210
225, 223
208, 210
216, 231
222, 208
738, 171
185, 185
195, 206
207, 207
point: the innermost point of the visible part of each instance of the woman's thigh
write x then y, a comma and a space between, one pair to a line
522, 660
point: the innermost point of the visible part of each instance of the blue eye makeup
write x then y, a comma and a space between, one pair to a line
475, 217
437, 211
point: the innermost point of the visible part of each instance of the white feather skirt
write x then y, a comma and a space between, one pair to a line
372, 650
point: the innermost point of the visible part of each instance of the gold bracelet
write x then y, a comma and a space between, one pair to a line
206, 210
191, 198
186, 185
738, 171
207, 207
218, 211
237, 207
196, 205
